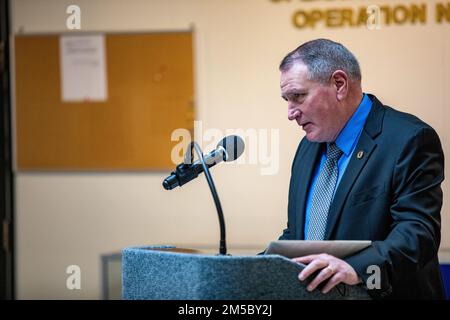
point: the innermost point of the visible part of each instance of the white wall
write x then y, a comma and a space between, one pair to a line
64, 219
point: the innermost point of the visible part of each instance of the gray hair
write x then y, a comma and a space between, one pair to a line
322, 57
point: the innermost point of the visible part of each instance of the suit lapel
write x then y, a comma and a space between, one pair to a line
354, 167
366, 144
308, 160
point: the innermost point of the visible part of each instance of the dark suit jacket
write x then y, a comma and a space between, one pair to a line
392, 196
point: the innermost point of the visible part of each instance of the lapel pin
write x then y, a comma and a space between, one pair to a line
360, 154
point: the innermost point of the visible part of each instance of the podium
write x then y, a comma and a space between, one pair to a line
162, 273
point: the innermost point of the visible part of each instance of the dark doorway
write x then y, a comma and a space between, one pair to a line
6, 172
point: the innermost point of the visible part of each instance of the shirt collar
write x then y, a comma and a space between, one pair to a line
349, 135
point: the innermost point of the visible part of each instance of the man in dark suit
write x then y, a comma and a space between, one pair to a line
364, 171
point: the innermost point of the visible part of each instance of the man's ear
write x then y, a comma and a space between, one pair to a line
339, 81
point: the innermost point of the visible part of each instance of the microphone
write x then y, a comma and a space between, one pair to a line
228, 149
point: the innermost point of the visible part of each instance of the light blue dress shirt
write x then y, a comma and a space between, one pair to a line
346, 141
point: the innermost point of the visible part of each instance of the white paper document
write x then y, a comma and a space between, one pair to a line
83, 68
299, 248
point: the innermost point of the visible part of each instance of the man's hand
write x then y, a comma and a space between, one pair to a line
335, 269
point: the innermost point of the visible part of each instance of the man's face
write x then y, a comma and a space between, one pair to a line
313, 105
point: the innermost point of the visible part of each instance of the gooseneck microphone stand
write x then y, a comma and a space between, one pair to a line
193, 144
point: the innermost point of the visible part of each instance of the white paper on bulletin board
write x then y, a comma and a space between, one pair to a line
83, 68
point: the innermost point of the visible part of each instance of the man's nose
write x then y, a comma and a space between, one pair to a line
293, 112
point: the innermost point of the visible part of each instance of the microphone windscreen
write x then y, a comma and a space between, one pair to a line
233, 145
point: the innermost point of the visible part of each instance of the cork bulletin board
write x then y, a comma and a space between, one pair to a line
150, 86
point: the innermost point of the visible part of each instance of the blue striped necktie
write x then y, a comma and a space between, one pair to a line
323, 194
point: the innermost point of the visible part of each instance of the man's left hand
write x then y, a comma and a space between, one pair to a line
332, 268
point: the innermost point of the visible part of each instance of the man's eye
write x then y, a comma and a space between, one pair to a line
294, 96
297, 96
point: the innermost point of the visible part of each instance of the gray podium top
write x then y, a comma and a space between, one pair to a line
158, 273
